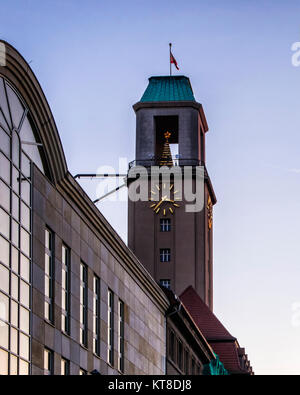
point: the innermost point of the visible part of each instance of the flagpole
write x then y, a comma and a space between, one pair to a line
170, 45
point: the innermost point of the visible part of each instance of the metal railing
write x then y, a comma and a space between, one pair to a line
159, 161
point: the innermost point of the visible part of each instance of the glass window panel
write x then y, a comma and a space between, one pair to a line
4, 142
16, 149
4, 196
3, 102
13, 365
3, 362
24, 346
25, 268
63, 322
23, 368
64, 279
64, 367
63, 301
15, 180
24, 320
64, 253
14, 313
15, 286
3, 335
4, 223
14, 260
25, 242
26, 134
15, 233
47, 264
47, 311
16, 107
4, 307
3, 123
25, 165
47, 239
15, 206
4, 251
4, 279
14, 340
25, 190
47, 287
25, 216
25, 296
4, 168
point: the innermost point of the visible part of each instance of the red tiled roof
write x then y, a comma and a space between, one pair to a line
221, 341
227, 352
209, 324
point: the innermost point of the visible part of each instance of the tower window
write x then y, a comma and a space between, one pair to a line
166, 149
165, 283
165, 225
165, 255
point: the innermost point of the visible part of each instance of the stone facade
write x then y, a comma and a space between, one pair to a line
144, 315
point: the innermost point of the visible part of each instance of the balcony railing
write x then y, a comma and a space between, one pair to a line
171, 161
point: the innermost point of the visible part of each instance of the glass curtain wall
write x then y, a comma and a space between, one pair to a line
18, 148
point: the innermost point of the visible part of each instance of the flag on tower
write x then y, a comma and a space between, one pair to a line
173, 60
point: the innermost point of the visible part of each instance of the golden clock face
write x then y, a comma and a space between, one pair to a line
209, 207
161, 203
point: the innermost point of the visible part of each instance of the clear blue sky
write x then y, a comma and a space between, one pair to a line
93, 59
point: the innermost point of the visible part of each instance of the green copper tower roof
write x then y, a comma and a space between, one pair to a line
171, 88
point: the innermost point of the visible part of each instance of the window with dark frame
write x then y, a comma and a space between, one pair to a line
65, 367
198, 370
110, 331
193, 366
172, 345
180, 355
83, 304
48, 362
96, 315
165, 283
49, 275
165, 255
165, 225
65, 291
121, 336
186, 361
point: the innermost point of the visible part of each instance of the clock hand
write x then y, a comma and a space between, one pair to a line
159, 203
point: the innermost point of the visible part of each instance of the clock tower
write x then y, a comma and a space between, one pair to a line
174, 244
